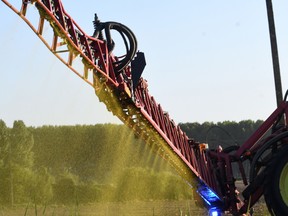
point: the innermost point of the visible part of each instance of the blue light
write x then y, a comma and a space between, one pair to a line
214, 212
209, 196
204, 198
213, 202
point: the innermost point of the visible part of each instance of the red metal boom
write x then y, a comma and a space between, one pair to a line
138, 109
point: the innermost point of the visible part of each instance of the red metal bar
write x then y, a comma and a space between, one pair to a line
258, 134
47, 3
23, 9
78, 38
41, 25
244, 209
161, 117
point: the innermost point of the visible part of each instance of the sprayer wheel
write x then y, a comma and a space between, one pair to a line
276, 183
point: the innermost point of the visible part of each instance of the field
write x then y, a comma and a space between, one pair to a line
260, 209
135, 208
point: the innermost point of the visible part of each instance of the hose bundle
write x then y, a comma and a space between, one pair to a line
126, 34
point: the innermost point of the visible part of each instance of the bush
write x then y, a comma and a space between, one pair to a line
64, 190
88, 193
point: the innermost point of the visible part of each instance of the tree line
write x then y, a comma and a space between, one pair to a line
92, 163
224, 133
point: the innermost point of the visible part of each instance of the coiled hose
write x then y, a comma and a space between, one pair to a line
125, 32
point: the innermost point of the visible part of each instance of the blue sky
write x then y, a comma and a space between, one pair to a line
206, 61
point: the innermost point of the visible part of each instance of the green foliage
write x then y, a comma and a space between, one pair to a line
21, 143
225, 133
90, 163
88, 193
4, 143
17, 161
64, 190
42, 190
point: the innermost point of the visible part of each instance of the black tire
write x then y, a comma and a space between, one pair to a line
276, 183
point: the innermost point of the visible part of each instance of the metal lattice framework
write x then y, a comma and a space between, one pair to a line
141, 113
210, 170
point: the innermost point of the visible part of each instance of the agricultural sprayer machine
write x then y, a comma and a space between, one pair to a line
118, 82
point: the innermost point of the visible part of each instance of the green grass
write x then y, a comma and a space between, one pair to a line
139, 208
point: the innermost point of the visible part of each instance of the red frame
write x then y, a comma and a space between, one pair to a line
143, 108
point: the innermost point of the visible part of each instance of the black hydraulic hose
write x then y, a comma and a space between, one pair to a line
259, 153
125, 33
130, 50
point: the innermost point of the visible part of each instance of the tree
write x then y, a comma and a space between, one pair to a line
3, 154
43, 187
3, 142
17, 157
64, 189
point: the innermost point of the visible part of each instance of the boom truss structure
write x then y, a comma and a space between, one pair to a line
118, 84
